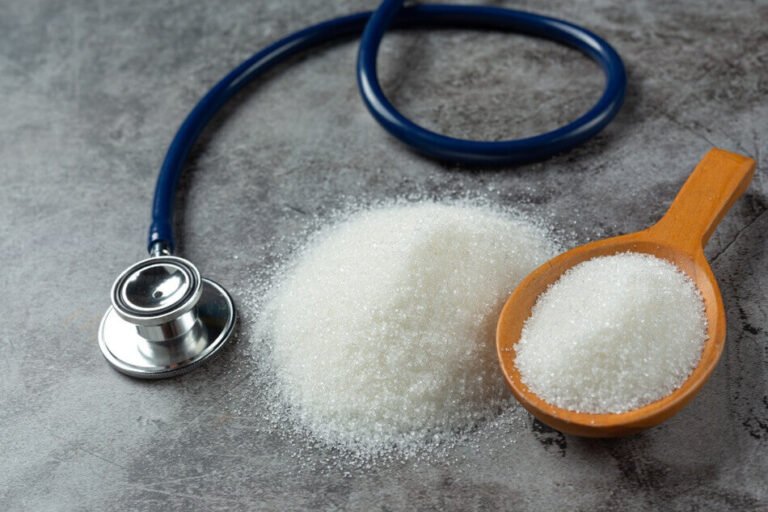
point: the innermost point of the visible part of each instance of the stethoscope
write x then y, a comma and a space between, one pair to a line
165, 319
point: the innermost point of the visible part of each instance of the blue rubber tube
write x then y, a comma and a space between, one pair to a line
373, 25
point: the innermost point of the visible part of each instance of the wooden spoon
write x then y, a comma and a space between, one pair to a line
679, 237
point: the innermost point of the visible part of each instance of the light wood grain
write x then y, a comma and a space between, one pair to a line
679, 237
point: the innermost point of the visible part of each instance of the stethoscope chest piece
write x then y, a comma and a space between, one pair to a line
165, 319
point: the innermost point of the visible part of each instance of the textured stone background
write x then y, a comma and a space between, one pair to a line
91, 93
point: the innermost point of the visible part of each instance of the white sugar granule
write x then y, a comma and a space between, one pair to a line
383, 328
612, 334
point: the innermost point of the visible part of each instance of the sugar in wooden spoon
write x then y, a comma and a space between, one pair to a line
679, 238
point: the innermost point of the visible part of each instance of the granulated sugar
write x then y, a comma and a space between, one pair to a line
383, 329
612, 334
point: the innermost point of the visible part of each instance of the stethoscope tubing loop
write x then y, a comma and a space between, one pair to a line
373, 25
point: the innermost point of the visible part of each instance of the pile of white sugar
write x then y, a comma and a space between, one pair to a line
383, 329
612, 334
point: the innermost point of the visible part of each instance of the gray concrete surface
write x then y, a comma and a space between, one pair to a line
92, 92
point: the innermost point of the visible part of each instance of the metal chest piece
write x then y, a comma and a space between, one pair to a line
165, 319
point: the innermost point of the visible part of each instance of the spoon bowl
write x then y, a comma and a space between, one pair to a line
679, 237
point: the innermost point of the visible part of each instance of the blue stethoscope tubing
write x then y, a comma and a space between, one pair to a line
373, 25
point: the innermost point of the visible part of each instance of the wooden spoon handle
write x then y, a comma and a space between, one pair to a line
710, 191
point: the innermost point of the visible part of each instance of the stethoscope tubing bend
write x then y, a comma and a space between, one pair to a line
373, 25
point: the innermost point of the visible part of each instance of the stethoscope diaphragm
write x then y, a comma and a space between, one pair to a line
164, 319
